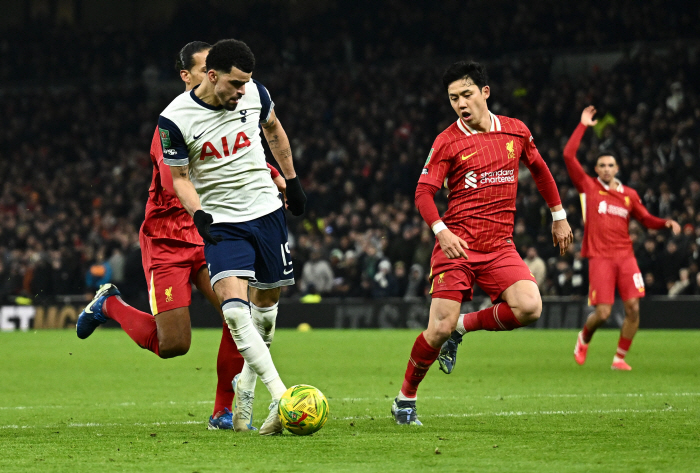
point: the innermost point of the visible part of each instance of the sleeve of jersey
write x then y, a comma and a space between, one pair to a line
641, 213
578, 176
265, 101
273, 171
425, 202
540, 172
173, 144
436, 166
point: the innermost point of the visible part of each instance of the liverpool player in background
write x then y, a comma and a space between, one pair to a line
477, 159
173, 258
607, 207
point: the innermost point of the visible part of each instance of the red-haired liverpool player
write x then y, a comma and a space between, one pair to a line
477, 159
607, 208
173, 259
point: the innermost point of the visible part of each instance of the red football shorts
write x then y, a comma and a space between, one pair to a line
170, 268
605, 274
493, 272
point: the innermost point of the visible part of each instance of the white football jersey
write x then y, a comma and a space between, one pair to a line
224, 152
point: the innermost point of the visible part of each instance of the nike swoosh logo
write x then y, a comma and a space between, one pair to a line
287, 272
464, 158
196, 137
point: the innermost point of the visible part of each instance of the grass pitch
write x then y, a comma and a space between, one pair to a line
515, 402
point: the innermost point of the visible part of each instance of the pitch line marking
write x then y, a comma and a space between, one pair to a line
533, 413
469, 414
353, 399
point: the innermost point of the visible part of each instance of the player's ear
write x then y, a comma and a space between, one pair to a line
486, 91
212, 76
185, 76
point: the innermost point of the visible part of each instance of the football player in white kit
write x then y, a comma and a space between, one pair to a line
211, 140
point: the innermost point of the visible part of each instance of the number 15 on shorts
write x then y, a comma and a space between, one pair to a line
286, 258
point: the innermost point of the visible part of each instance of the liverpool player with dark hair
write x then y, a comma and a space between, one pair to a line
477, 160
607, 208
173, 259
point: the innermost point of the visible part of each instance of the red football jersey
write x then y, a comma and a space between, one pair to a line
480, 171
166, 218
606, 209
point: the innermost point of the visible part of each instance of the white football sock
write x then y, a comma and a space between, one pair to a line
402, 397
460, 325
251, 346
264, 319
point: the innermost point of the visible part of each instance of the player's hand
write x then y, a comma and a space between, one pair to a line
674, 226
202, 221
587, 116
562, 235
296, 199
452, 245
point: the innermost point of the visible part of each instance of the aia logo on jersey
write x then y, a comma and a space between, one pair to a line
210, 151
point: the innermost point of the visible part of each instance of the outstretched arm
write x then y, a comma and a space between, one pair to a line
576, 172
642, 215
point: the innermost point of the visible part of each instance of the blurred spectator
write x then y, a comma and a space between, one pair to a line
653, 287
671, 263
537, 266
681, 287
317, 275
415, 289
579, 279
385, 284
99, 272
696, 286
401, 278
563, 281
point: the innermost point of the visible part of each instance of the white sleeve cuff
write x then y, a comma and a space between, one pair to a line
559, 215
438, 227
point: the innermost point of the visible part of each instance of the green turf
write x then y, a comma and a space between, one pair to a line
516, 402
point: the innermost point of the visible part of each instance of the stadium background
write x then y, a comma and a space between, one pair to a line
357, 86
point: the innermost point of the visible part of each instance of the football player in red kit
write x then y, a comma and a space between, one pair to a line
173, 259
477, 160
607, 208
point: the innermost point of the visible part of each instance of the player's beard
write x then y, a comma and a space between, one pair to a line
231, 107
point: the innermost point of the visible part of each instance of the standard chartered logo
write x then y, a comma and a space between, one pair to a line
504, 176
470, 180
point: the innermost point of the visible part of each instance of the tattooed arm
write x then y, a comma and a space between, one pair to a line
279, 145
184, 189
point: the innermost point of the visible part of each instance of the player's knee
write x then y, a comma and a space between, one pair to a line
604, 313
171, 350
440, 331
530, 309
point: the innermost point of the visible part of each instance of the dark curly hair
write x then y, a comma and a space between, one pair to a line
185, 60
229, 53
463, 69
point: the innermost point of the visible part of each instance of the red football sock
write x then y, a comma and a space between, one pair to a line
496, 319
422, 356
586, 335
140, 326
623, 347
228, 364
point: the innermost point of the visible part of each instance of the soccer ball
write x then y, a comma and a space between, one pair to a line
303, 409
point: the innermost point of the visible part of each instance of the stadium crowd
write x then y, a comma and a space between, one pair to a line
76, 171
